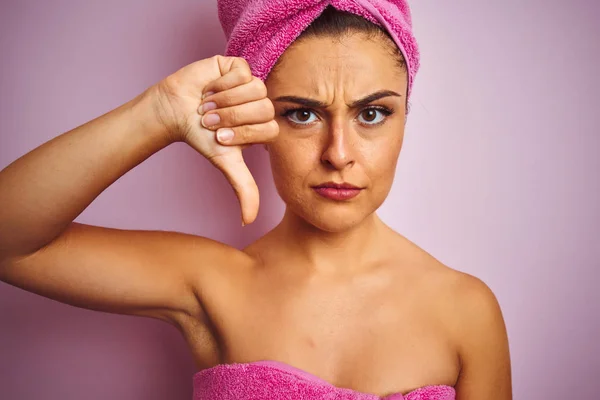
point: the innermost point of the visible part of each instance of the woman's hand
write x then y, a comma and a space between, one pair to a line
234, 112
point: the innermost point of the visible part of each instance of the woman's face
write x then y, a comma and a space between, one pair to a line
341, 106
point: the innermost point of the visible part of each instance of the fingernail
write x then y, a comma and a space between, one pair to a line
206, 107
210, 119
224, 135
243, 224
205, 95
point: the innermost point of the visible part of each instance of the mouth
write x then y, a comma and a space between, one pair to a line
337, 191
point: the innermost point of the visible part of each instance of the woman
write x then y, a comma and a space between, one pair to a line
331, 303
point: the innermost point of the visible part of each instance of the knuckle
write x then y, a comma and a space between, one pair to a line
272, 129
246, 75
243, 134
267, 108
260, 87
243, 61
225, 99
232, 116
246, 72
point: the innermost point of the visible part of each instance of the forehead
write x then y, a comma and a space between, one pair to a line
353, 63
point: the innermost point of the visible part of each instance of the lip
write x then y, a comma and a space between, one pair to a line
337, 191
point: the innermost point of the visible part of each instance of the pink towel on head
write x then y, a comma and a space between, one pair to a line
261, 30
274, 380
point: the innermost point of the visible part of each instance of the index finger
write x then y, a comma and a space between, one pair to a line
235, 72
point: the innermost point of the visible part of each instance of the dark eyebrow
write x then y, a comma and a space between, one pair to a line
310, 103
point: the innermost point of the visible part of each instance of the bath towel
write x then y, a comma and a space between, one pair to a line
275, 380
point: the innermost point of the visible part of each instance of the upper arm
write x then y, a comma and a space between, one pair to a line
145, 273
485, 361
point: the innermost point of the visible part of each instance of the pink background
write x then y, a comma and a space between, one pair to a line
498, 178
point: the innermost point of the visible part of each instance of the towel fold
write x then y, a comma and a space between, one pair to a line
261, 30
275, 380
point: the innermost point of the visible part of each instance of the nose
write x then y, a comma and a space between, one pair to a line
338, 153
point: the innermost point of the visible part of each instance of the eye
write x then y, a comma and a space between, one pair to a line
374, 115
300, 116
369, 116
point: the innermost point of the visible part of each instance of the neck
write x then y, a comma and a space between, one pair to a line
331, 251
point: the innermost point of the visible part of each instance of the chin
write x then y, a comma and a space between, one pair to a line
329, 215
334, 218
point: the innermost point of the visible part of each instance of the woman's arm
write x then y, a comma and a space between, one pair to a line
484, 353
132, 272
44, 252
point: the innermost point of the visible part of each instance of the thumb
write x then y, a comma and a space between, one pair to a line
232, 165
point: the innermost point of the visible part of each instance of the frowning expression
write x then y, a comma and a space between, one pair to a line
341, 108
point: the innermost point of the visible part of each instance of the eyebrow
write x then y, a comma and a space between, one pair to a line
311, 103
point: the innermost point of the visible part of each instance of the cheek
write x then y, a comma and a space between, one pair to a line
380, 163
291, 163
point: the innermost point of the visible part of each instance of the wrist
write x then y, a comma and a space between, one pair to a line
146, 109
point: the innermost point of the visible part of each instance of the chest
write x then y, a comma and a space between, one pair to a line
371, 333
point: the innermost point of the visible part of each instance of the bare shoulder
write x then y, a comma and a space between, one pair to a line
482, 342
471, 317
475, 300
467, 302
461, 294
469, 299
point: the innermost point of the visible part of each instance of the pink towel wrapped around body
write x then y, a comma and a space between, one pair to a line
274, 380
261, 30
